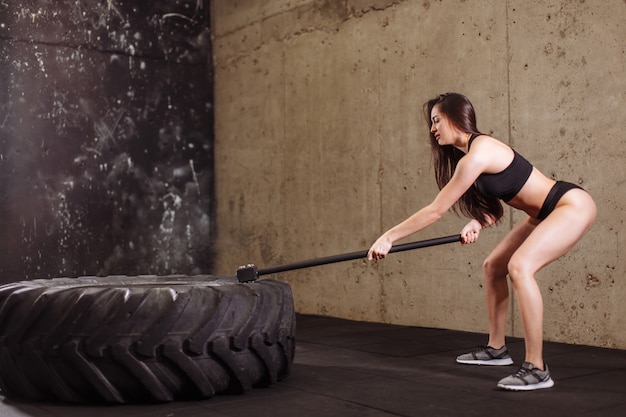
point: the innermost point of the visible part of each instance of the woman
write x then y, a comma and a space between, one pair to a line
474, 172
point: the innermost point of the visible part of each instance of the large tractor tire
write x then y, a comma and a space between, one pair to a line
125, 339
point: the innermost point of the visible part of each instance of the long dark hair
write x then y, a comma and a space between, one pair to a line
460, 112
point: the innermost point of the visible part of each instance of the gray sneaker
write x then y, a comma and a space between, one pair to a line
487, 356
528, 378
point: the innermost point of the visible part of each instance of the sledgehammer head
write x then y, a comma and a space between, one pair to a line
247, 273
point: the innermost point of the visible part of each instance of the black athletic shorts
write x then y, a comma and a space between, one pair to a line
555, 194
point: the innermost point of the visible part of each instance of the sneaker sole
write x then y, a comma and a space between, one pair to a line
492, 362
540, 385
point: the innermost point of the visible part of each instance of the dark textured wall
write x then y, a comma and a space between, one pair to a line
106, 139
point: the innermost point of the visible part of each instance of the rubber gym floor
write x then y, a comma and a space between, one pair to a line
345, 368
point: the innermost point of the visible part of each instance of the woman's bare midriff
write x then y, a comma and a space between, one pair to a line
532, 195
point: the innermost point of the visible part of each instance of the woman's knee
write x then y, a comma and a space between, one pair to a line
494, 268
519, 268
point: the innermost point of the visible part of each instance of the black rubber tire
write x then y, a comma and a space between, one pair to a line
125, 339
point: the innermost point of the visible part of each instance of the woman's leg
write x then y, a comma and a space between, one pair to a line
550, 239
495, 270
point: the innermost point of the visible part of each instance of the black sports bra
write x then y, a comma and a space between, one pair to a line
506, 183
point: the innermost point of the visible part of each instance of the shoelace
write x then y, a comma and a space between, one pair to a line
489, 350
483, 348
478, 350
524, 371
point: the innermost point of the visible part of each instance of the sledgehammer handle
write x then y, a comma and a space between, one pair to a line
357, 255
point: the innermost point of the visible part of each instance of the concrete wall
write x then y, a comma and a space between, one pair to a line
321, 145
105, 138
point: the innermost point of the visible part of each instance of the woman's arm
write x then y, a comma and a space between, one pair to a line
418, 221
470, 232
467, 170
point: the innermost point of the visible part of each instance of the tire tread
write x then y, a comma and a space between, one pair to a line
122, 339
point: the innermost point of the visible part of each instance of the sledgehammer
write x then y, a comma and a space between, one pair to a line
248, 273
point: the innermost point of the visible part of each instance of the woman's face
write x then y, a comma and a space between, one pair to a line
441, 127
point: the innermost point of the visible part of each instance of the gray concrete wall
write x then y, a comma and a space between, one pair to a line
321, 145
